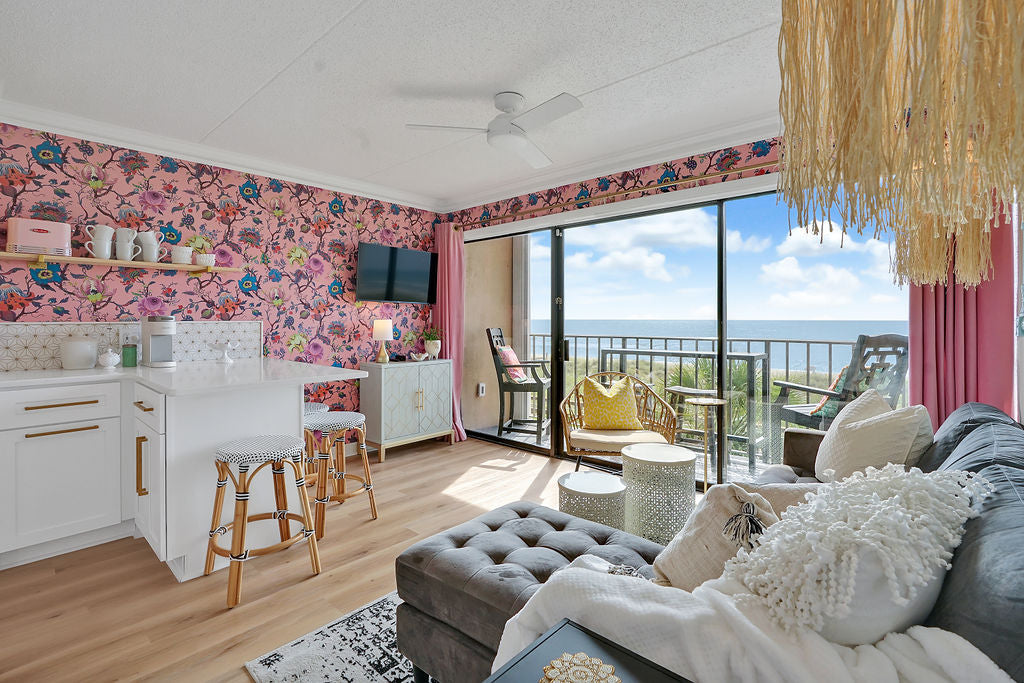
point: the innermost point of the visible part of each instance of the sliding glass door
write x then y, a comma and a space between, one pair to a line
719, 300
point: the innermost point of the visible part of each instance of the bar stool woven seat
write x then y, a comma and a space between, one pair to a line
259, 449
333, 421
314, 407
326, 434
249, 456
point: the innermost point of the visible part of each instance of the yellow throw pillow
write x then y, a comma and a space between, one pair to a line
611, 408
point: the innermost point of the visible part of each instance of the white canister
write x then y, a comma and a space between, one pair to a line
78, 353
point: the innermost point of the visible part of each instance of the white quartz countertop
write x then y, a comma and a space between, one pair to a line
190, 378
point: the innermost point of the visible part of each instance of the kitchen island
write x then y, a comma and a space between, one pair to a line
87, 456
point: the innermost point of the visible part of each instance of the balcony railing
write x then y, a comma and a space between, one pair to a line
689, 362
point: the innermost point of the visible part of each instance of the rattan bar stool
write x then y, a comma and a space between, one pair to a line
330, 432
259, 451
314, 407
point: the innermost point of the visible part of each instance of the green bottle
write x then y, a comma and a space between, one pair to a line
129, 356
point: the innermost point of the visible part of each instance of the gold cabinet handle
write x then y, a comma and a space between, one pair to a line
421, 399
62, 431
142, 406
139, 490
63, 405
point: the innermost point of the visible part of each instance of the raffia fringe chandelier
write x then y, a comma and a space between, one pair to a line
906, 119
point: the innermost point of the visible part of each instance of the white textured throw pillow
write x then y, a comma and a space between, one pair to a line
700, 550
869, 433
862, 557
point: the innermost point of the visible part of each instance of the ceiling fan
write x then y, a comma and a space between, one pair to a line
508, 130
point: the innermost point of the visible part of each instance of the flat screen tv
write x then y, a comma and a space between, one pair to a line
395, 274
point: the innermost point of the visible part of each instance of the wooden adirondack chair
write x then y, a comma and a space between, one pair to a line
878, 363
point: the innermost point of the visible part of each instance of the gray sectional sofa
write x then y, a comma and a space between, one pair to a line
461, 586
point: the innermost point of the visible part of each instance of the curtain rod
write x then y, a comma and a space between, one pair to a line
537, 212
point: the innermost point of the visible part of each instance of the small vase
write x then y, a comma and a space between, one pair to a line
432, 347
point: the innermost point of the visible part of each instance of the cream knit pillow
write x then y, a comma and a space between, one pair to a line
705, 543
868, 432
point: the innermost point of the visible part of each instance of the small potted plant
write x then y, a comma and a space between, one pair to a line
432, 341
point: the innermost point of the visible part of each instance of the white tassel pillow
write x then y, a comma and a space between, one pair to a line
869, 433
863, 557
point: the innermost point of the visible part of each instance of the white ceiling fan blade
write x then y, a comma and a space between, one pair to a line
455, 129
546, 112
530, 152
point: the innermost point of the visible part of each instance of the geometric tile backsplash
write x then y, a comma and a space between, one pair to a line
36, 346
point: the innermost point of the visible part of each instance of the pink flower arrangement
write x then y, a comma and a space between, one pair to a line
154, 200
152, 305
224, 257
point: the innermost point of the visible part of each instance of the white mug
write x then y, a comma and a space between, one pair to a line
181, 255
127, 251
152, 253
206, 259
150, 237
126, 234
99, 233
99, 248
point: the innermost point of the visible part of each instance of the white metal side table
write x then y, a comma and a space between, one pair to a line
659, 489
596, 496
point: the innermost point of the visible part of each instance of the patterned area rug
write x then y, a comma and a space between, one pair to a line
359, 647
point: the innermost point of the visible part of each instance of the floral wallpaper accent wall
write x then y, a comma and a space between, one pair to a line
296, 245
741, 161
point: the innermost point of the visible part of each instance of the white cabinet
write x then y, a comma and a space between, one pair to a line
57, 480
150, 469
406, 402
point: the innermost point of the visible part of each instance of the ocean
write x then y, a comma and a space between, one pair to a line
800, 354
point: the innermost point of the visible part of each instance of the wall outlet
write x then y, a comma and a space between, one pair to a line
481, 389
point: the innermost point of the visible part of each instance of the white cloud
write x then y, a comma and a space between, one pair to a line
540, 252
788, 272
639, 259
689, 229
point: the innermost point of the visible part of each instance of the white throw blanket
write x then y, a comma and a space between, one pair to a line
713, 634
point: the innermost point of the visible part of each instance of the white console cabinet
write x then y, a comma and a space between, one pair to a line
406, 402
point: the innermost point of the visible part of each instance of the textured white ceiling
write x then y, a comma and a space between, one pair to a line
322, 88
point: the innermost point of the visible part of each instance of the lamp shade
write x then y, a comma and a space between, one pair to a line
382, 330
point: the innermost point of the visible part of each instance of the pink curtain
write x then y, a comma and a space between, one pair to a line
962, 339
448, 311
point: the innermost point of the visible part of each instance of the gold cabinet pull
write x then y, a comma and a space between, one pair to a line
139, 490
142, 406
63, 405
62, 431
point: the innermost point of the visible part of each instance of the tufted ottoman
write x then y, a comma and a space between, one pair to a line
461, 586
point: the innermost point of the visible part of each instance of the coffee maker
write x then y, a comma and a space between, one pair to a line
158, 341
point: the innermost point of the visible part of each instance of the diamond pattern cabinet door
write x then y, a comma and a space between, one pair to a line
401, 417
436, 384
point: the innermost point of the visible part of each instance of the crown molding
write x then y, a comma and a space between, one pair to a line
37, 118
708, 140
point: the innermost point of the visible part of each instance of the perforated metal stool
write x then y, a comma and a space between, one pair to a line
330, 431
259, 451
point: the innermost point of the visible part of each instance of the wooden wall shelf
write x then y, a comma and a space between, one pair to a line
43, 259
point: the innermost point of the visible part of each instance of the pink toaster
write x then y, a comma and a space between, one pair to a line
32, 236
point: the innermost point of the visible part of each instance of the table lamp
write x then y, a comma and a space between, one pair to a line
382, 332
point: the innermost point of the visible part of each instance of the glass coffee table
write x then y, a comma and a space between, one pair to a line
568, 651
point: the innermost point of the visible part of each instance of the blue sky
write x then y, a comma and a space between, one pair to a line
663, 267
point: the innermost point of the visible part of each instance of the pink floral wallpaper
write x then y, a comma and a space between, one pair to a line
296, 246
638, 182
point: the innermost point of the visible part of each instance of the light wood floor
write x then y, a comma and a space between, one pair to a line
114, 612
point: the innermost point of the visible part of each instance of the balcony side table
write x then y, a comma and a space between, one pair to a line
707, 402
660, 489
597, 496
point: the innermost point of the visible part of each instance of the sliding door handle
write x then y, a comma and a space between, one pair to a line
139, 489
